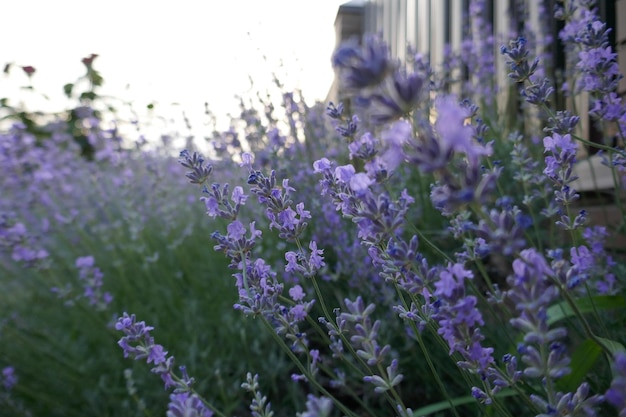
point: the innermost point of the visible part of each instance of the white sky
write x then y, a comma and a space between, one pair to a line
184, 51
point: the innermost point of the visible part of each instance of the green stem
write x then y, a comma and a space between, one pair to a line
304, 370
346, 388
422, 345
572, 303
345, 341
548, 383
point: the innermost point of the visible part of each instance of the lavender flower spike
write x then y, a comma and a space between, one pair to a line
616, 394
453, 131
139, 344
317, 407
187, 405
365, 66
459, 318
91, 276
8, 378
200, 171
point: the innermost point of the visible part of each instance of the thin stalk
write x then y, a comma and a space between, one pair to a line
431, 365
345, 341
346, 388
304, 370
572, 303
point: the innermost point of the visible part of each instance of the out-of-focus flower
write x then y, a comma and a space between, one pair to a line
28, 70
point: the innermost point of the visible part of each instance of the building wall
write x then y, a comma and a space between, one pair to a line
425, 25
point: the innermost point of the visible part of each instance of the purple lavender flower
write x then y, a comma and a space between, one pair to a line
616, 394
396, 98
138, 344
349, 129
16, 240
596, 61
289, 222
364, 147
217, 204
395, 138
247, 159
258, 287
360, 182
538, 94
91, 276
570, 404
200, 171
502, 378
388, 381
298, 263
597, 71
453, 131
317, 407
8, 378
603, 263
503, 231
259, 406
562, 123
608, 107
296, 293
481, 396
532, 291
344, 173
450, 124
364, 66
235, 244
456, 190
459, 319
184, 404
559, 168
517, 52
334, 112
402, 263
379, 217
321, 165
257, 284
427, 152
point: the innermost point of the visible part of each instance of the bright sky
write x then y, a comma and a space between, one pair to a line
184, 51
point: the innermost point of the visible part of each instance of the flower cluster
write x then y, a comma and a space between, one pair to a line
91, 276
15, 240
258, 285
459, 319
597, 70
616, 394
9, 379
378, 84
138, 344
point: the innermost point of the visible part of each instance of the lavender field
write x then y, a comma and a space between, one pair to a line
422, 247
